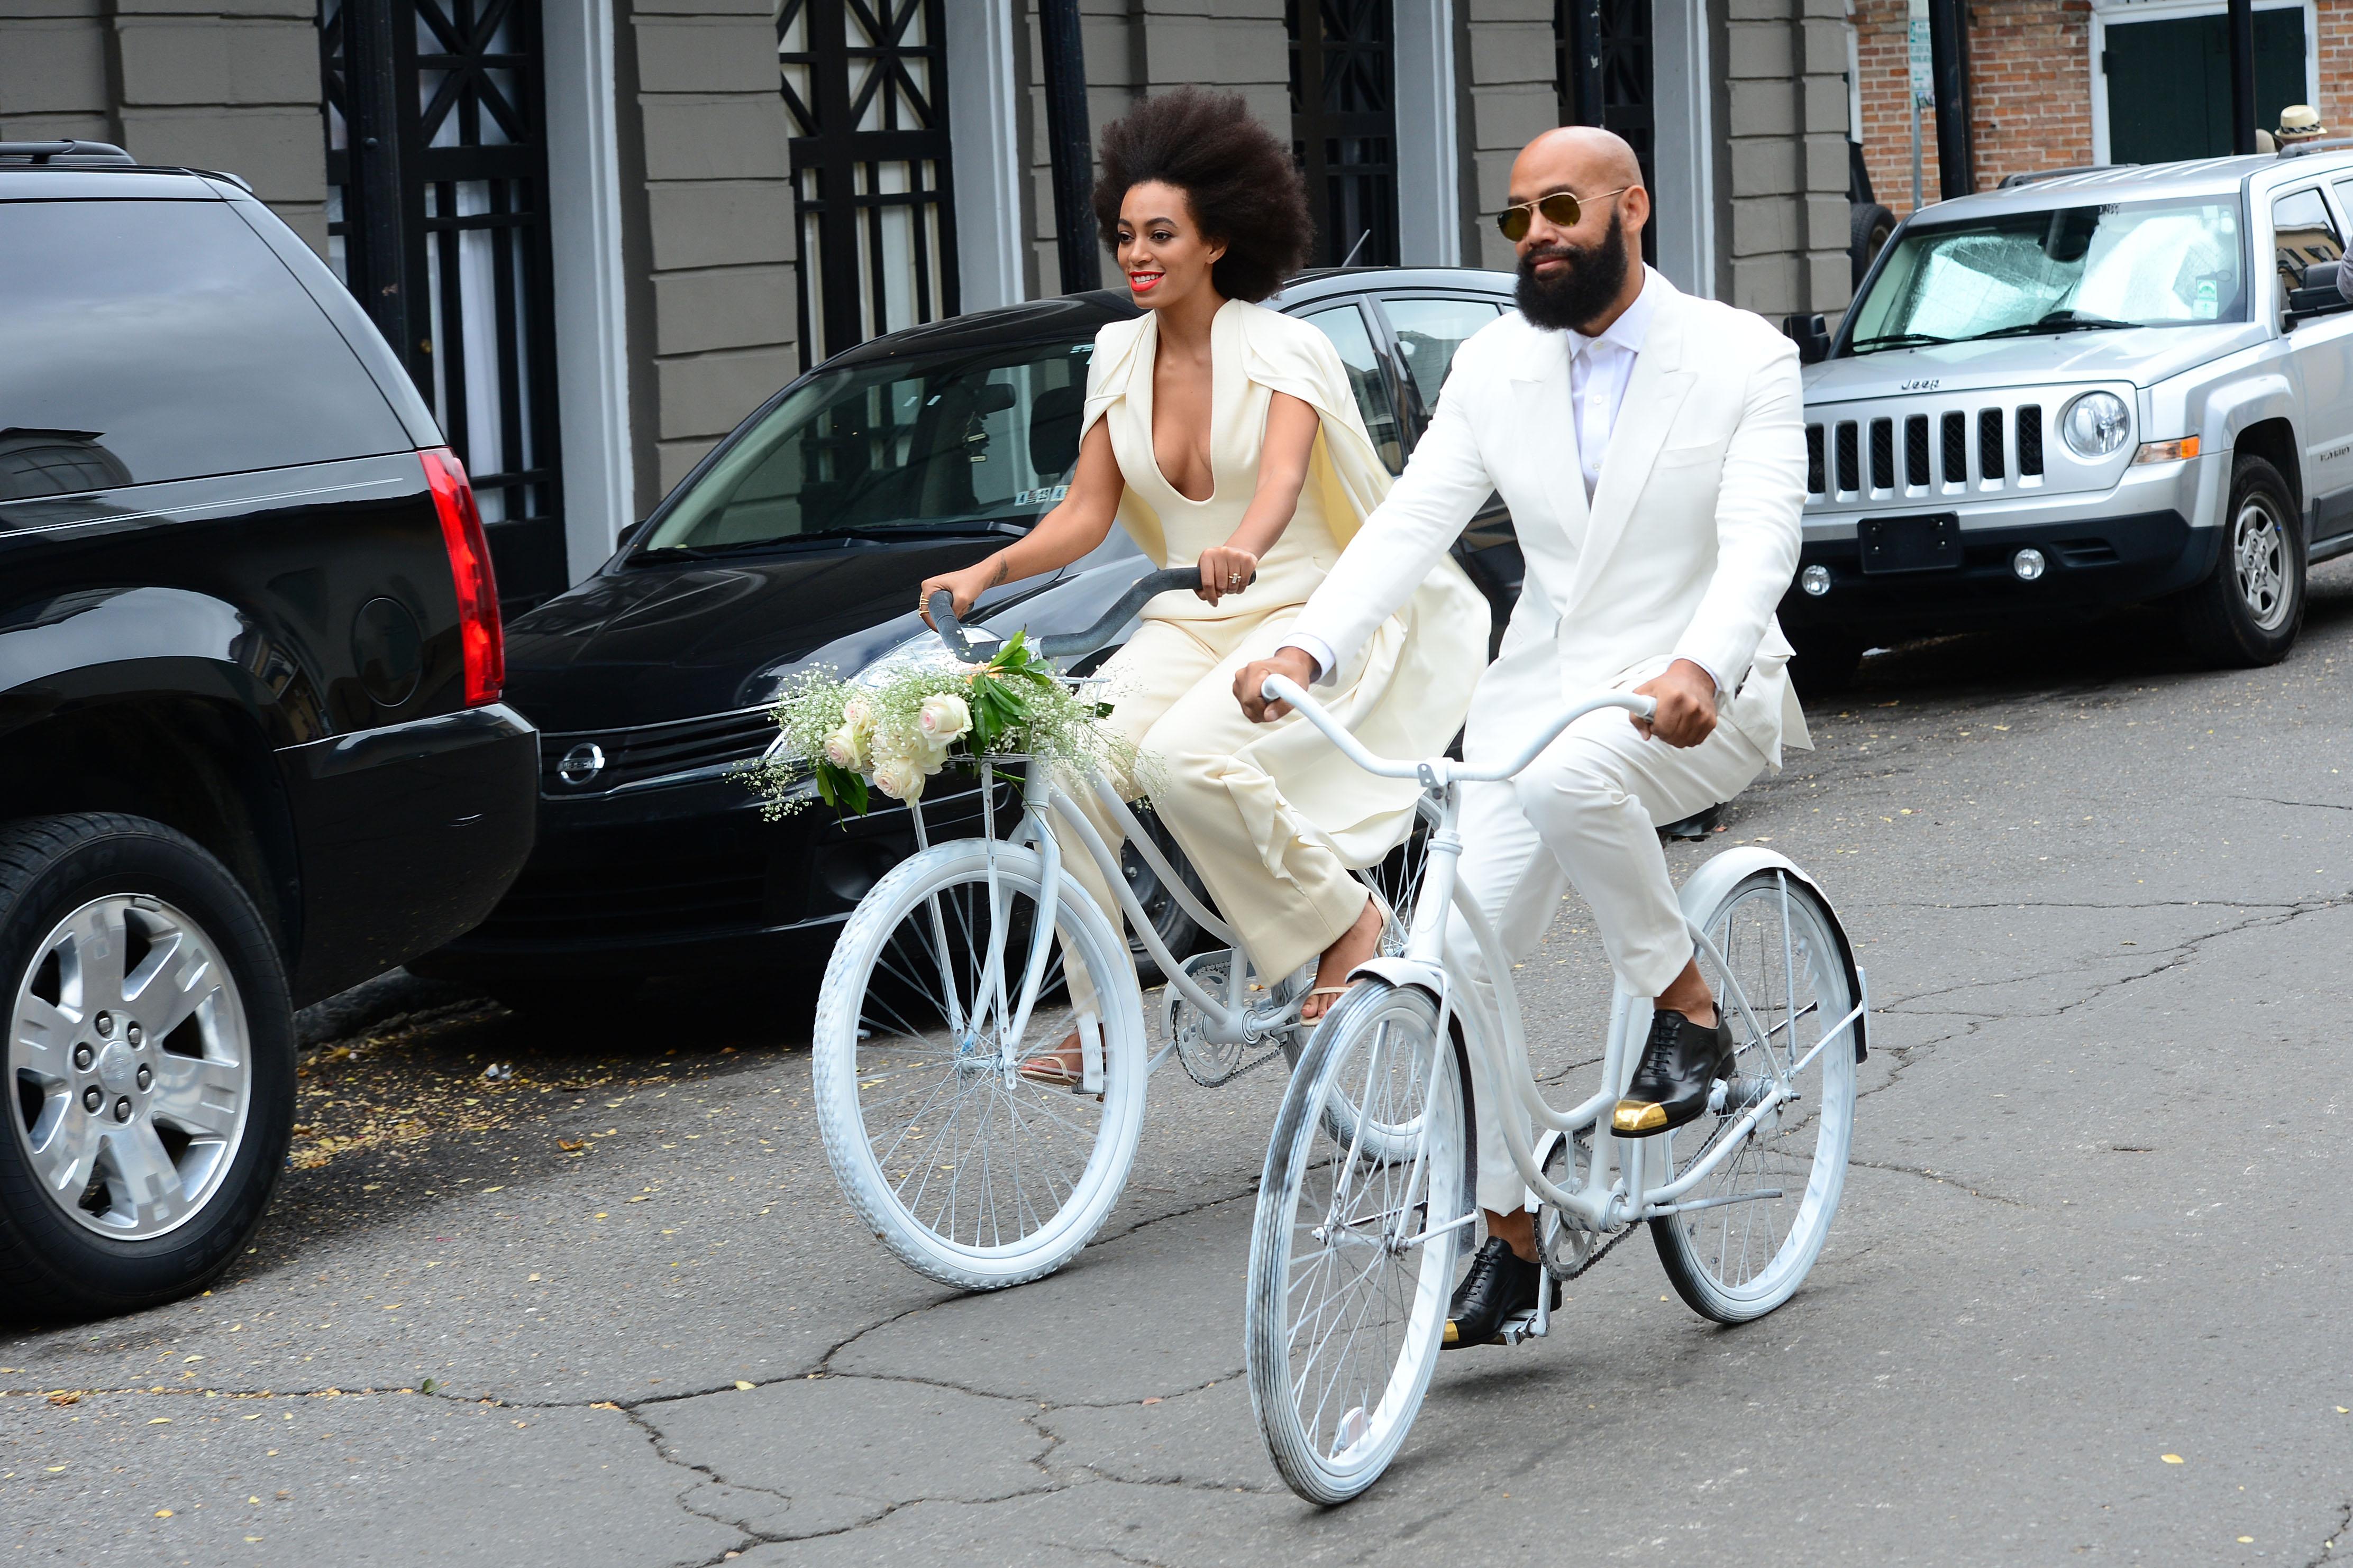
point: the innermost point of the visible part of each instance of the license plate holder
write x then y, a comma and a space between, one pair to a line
1894, 544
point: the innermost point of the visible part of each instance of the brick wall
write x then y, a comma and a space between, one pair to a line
713, 215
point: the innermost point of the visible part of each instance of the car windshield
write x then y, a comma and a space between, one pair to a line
938, 443
2146, 264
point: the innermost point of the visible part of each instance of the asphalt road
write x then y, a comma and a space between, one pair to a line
2082, 1301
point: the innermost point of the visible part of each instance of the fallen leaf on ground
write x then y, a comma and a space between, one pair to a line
744, 1386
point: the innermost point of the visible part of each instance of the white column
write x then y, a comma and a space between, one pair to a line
1429, 194
983, 121
584, 206
1682, 208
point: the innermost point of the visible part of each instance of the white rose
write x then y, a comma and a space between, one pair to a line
901, 780
944, 718
842, 750
896, 744
857, 713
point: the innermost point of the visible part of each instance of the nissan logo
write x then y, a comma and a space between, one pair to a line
581, 764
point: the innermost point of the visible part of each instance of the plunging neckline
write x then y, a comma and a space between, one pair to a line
1152, 414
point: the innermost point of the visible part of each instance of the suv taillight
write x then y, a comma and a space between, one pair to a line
479, 632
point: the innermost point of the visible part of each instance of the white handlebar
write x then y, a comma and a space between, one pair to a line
1282, 688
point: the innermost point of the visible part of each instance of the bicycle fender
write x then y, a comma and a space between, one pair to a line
1403, 972
1721, 873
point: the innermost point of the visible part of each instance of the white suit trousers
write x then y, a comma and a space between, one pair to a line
1585, 812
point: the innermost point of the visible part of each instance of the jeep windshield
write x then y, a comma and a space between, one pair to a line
2065, 269
968, 442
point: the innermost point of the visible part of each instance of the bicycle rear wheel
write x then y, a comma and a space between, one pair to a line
1773, 1197
1348, 1275
972, 1175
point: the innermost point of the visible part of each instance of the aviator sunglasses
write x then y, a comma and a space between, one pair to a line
1561, 209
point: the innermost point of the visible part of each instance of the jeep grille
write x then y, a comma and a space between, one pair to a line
1942, 450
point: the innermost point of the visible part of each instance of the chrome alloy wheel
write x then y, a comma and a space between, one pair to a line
130, 1066
2259, 555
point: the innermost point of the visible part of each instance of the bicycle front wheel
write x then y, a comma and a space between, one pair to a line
1352, 1256
1771, 1202
974, 1175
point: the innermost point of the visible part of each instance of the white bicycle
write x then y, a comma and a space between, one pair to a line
950, 972
1368, 1192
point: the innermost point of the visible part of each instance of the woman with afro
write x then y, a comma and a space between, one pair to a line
1222, 433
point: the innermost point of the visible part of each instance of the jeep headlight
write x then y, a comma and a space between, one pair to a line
2096, 423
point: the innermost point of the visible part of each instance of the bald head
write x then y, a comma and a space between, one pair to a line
1583, 153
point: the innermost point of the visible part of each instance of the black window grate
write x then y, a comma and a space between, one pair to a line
1915, 451
1992, 464
2030, 440
1956, 450
1883, 454
1850, 456
1815, 477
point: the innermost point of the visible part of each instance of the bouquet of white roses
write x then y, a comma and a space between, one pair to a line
898, 731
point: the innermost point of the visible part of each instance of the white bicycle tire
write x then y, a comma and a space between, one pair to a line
1697, 1248
1333, 1470
834, 1070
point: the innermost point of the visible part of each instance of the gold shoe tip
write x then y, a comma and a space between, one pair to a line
1453, 1335
1637, 1116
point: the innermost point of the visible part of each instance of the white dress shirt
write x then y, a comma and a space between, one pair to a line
1599, 367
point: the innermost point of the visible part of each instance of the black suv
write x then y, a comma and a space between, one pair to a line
251, 746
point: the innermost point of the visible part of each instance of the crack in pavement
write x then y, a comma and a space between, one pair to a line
2184, 951
2313, 805
1942, 1180
2344, 1523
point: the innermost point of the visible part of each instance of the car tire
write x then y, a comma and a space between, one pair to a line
1824, 662
1870, 226
179, 1112
2250, 608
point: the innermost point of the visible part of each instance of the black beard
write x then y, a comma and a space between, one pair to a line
1579, 292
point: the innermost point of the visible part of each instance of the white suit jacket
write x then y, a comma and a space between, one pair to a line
1689, 542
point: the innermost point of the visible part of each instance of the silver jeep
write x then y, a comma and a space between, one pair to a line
2085, 390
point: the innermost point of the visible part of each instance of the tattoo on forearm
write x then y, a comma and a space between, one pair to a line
996, 578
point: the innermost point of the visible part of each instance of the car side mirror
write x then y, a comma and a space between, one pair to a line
1812, 336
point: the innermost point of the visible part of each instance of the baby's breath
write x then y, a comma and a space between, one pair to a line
1017, 706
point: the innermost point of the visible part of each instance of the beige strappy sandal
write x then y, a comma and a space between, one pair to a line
1322, 991
1054, 1070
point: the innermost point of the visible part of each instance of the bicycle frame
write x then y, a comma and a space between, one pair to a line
1613, 1192
1229, 1020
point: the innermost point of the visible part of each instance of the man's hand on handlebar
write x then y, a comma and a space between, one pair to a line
962, 588
1287, 661
1686, 697
1225, 569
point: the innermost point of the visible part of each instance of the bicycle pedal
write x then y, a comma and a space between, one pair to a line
1521, 1327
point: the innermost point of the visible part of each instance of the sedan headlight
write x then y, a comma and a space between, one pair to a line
924, 649
2095, 425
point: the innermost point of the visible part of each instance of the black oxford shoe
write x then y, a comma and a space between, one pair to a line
1679, 1065
1499, 1287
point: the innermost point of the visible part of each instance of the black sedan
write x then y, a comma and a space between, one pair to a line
801, 540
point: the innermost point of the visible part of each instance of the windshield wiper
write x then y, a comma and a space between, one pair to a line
2056, 321
877, 533
1895, 340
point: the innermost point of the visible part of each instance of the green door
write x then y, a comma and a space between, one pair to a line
2169, 83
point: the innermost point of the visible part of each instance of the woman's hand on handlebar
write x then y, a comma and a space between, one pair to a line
1225, 569
962, 588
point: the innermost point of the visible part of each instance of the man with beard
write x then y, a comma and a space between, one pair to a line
1649, 447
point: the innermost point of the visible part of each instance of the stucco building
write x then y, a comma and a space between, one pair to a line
601, 231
